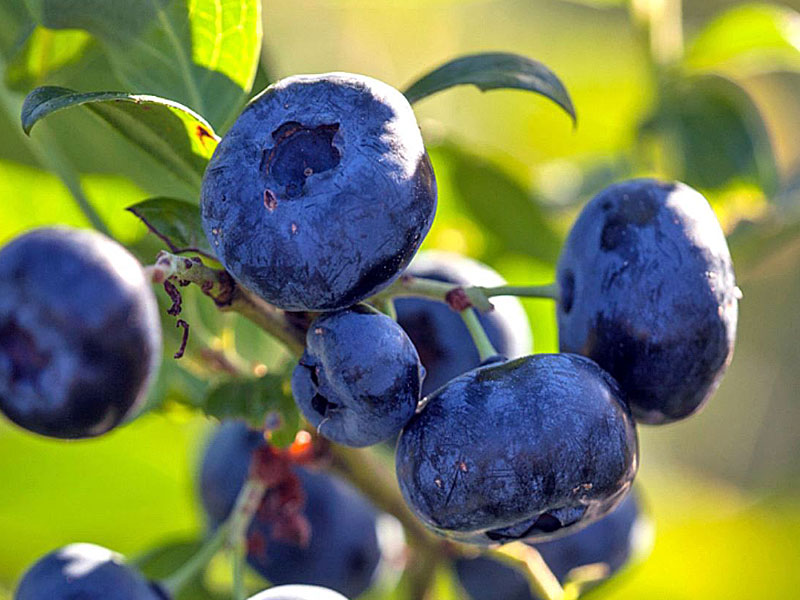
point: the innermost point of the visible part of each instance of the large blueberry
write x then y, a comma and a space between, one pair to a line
444, 344
321, 192
80, 336
298, 592
359, 379
530, 449
343, 552
613, 541
84, 572
648, 292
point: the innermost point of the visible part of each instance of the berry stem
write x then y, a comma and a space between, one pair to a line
478, 333
543, 583
232, 533
239, 592
187, 571
247, 503
409, 286
550, 291
388, 308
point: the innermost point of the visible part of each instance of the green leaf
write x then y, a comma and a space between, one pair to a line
500, 204
173, 134
44, 52
751, 36
490, 71
257, 401
754, 244
202, 54
176, 222
17, 27
716, 134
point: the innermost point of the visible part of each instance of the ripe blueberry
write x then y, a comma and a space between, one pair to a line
85, 572
648, 293
444, 344
358, 381
80, 336
343, 552
321, 192
613, 540
298, 592
529, 449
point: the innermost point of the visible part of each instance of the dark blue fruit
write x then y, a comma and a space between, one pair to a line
532, 448
359, 379
343, 551
321, 192
80, 336
298, 592
444, 344
648, 292
84, 572
613, 540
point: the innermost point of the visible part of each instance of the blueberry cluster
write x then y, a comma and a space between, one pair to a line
316, 200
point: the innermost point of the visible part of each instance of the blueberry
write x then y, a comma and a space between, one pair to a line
343, 551
80, 336
613, 540
321, 192
530, 449
442, 340
648, 292
85, 572
358, 381
298, 592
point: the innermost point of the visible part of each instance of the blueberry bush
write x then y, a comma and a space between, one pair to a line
271, 272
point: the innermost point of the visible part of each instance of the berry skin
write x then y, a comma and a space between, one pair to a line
531, 449
613, 540
80, 335
442, 340
343, 552
648, 292
85, 572
321, 192
359, 379
298, 592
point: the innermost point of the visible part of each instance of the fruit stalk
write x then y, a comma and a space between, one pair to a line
550, 291
409, 286
232, 533
186, 572
478, 333
247, 504
541, 579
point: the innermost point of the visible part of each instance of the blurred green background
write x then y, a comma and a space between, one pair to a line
724, 486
